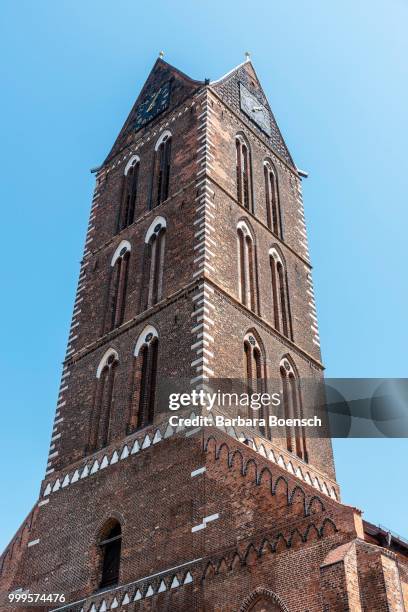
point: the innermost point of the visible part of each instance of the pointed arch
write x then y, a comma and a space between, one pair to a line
251, 555
153, 229
292, 404
297, 500
266, 547
236, 460
129, 193
263, 599
153, 263
280, 292
143, 392
247, 277
267, 478
296, 538
281, 487
273, 212
312, 533
255, 372
328, 528
280, 544
104, 361
315, 505
210, 446
115, 310
244, 172
135, 159
161, 169
100, 424
164, 136
223, 447
123, 246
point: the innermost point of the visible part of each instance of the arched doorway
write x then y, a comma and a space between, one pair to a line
263, 600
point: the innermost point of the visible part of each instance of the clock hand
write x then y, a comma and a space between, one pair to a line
152, 102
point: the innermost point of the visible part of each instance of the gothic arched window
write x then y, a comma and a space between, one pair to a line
255, 370
244, 172
247, 267
130, 183
153, 263
161, 170
118, 286
143, 395
272, 199
280, 294
99, 434
110, 547
292, 404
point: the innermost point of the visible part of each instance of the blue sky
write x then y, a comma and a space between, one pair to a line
336, 77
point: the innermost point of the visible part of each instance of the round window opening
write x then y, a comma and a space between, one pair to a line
111, 359
252, 340
123, 251
157, 228
149, 337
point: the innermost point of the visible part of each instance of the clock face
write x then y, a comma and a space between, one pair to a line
153, 105
257, 112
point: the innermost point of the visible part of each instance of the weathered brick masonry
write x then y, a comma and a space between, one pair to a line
208, 519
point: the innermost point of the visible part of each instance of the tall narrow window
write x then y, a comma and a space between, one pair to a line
292, 404
100, 427
161, 171
272, 199
118, 286
130, 183
243, 171
143, 395
280, 294
254, 371
247, 267
110, 546
153, 263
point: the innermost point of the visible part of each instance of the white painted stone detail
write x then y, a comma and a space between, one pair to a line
188, 578
198, 471
115, 458
175, 583
125, 452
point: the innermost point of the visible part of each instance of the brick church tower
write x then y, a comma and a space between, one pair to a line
195, 267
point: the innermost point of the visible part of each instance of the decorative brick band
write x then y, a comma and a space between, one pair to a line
144, 588
263, 447
285, 460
